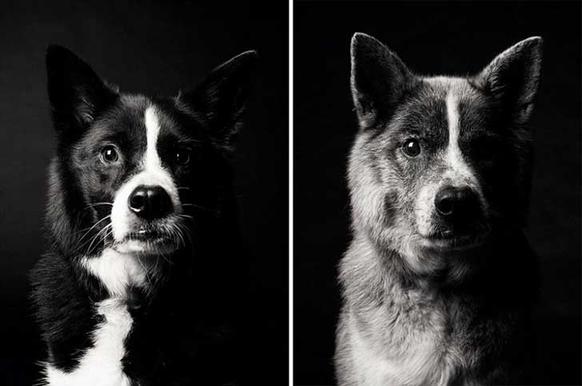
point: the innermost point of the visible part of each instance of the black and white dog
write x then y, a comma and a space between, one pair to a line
142, 280
438, 280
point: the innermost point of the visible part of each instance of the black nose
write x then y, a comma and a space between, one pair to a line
150, 202
452, 201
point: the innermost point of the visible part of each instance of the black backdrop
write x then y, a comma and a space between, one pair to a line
155, 48
432, 38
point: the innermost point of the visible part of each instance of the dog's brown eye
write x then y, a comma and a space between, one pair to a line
109, 154
182, 156
411, 147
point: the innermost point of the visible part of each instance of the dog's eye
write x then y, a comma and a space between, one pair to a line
182, 156
411, 147
109, 154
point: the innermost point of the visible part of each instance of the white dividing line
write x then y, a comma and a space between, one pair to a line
291, 383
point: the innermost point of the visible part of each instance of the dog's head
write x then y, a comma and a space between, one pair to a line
134, 173
440, 162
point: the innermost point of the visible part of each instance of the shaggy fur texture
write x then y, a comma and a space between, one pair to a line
429, 299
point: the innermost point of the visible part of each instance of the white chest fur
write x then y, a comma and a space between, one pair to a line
415, 358
101, 364
116, 271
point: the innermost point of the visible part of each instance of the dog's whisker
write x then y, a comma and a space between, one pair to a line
179, 232
90, 242
99, 203
147, 271
92, 227
190, 204
98, 236
186, 231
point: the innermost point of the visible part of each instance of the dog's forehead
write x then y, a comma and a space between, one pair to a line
473, 108
127, 120
429, 107
176, 123
450, 92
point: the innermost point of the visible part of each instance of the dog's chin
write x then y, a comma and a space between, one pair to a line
147, 243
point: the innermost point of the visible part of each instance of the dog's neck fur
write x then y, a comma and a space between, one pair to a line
416, 325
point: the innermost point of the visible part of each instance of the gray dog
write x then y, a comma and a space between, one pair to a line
438, 281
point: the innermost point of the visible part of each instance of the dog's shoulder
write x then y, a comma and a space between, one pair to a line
63, 309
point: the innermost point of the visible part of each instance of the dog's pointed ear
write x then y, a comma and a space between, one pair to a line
378, 79
76, 93
513, 77
222, 96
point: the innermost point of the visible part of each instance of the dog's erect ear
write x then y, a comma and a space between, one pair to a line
76, 93
378, 79
222, 96
513, 77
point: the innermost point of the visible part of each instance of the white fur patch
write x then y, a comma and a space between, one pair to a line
418, 361
458, 171
152, 162
116, 271
152, 174
101, 365
425, 206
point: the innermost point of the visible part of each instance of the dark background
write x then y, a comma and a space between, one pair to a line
433, 38
154, 48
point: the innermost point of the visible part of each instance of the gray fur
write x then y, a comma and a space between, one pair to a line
418, 315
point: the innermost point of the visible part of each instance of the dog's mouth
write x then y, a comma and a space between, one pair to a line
449, 240
148, 239
147, 234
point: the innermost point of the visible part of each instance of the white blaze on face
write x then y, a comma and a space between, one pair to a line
152, 173
152, 162
457, 173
